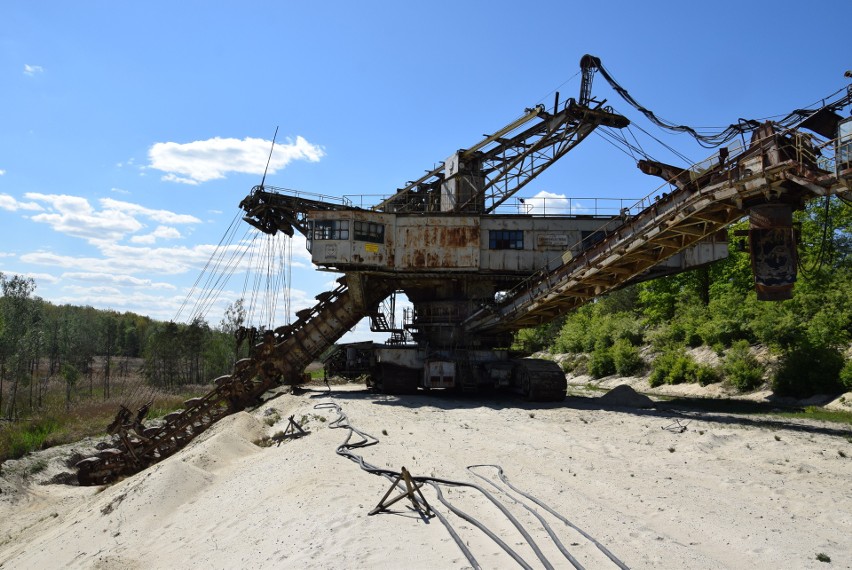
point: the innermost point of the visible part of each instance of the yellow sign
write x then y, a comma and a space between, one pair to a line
372, 247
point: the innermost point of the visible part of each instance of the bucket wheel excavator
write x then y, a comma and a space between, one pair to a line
477, 265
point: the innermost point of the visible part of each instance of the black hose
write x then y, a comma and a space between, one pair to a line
344, 450
585, 535
460, 513
574, 562
368, 440
342, 421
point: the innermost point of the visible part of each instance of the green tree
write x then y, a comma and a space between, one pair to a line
194, 337
20, 336
162, 355
235, 317
71, 375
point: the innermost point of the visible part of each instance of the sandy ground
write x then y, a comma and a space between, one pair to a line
725, 492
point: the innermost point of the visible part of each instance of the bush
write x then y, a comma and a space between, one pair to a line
573, 336
601, 362
626, 358
705, 374
846, 376
669, 367
538, 338
588, 327
741, 368
667, 336
805, 370
677, 367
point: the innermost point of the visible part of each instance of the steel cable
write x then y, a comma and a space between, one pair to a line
723, 135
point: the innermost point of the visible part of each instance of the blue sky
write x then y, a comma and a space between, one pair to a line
129, 132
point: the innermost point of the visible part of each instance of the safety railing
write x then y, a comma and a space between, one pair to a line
342, 200
544, 206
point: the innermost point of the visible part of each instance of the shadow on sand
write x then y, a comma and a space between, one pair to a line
729, 412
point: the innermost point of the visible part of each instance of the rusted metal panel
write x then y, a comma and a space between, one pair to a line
437, 242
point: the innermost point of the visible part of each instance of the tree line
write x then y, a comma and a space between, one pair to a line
84, 350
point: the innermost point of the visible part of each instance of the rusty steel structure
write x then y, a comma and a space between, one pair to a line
477, 267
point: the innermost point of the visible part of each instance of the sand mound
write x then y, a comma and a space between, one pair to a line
226, 442
626, 397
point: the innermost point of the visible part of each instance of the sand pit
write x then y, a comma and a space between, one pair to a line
726, 492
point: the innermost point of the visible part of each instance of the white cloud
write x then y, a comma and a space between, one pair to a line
129, 162
134, 260
143, 279
161, 261
75, 216
119, 191
162, 216
117, 280
41, 278
162, 232
179, 179
32, 70
97, 292
200, 161
9, 203
2, 172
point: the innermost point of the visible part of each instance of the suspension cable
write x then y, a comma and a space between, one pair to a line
223, 242
720, 136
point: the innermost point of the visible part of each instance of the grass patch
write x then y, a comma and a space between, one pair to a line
818, 413
21, 438
766, 409
271, 417
88, 418
38, 466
